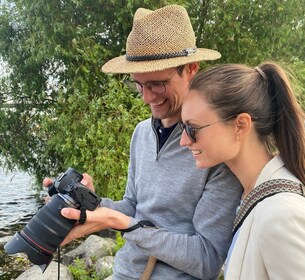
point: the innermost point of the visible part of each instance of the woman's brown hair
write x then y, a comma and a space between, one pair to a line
265, 93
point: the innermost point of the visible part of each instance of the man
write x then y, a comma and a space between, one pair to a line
180, 215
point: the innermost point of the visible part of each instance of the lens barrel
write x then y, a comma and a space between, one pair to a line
44, 233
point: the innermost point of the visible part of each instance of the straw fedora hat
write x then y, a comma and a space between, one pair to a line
159, 40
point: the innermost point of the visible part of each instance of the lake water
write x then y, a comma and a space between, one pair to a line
19, 201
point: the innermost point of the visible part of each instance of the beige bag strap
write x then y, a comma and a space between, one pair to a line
263, 191
149, 268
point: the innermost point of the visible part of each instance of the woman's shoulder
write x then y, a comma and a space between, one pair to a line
279, 210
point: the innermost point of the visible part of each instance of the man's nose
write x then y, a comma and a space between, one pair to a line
147, 95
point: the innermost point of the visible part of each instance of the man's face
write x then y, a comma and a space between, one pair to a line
167, 104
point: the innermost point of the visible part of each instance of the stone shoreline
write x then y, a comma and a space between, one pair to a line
96, 252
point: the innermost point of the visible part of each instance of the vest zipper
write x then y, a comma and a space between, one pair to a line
157, 141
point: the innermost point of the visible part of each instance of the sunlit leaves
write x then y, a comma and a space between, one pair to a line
56, 107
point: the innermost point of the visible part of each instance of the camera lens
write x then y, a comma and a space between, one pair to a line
44, 233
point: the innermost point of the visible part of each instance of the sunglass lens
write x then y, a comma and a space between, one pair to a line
190, 132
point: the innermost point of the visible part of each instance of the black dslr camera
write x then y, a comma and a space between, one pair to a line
44, 233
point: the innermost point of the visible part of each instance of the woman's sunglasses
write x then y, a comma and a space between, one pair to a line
191, 131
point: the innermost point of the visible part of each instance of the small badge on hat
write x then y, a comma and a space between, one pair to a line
189, 51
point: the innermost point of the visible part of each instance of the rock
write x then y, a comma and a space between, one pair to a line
94, 248
51, 273
95, 251
104, 265
4, 239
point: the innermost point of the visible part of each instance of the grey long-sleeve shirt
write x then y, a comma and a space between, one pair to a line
193, 208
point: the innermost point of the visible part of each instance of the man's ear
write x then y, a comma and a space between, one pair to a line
192, 68
243, 123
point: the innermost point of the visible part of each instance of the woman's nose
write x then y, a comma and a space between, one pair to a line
185, 141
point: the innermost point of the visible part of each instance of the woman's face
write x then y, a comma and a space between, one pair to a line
215, 143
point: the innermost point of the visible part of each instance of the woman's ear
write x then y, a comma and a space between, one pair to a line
243, 123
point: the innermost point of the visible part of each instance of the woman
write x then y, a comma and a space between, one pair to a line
250, 119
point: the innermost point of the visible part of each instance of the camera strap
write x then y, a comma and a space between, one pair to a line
58, 263
143, 224
83, 215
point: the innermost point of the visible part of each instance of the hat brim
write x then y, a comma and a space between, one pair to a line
120, 65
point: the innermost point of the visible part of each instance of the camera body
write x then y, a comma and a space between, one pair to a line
44, 233
69, 188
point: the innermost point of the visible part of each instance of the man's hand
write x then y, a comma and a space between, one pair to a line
99, 219
86, 181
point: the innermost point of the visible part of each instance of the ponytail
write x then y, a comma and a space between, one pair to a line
288, 120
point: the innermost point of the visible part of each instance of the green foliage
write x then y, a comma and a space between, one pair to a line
56, 107
98, 137
120, 241
250, 31
298, 68
80, 271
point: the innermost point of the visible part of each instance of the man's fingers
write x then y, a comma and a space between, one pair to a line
70, 213
47, 181
75, 233
88, 182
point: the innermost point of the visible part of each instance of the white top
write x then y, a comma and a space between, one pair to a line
270, 244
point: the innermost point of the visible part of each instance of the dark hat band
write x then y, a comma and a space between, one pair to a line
185, 52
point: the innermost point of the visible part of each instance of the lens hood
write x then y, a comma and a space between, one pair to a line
18, 244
